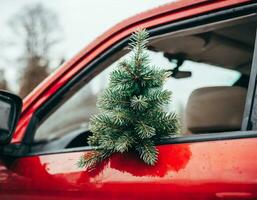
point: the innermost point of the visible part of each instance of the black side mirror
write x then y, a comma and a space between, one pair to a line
10, 109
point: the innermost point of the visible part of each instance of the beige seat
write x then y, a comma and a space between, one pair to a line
215, 109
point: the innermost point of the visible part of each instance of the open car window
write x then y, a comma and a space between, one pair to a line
75, 113
211, 82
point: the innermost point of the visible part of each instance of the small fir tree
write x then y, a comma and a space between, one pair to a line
131, 115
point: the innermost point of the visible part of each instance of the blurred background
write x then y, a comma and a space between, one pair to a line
39, 36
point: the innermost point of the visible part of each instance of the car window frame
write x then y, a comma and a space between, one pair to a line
251, 97
86, 74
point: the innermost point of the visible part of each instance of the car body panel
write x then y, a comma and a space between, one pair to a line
205, 170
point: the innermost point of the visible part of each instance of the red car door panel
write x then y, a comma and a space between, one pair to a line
205, 170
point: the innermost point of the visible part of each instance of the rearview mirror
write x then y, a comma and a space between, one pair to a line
10, 109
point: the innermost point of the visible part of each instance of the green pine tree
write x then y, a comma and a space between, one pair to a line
132, 117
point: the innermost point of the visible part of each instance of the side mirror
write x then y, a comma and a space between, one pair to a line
10, 109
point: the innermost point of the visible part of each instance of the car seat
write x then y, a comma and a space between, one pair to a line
215, 109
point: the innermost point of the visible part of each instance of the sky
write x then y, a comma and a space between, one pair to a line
81, 21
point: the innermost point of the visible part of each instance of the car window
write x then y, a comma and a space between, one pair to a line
211, 70
75, 113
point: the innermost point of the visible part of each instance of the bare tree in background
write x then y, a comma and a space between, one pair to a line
37, 29
3, 82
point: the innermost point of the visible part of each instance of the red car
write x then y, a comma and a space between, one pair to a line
210, 47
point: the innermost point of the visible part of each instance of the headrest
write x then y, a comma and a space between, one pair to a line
215, 109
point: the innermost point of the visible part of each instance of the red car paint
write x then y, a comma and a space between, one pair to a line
207, 170
224, 169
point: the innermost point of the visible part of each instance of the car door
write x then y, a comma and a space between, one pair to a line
202, 166
205, 170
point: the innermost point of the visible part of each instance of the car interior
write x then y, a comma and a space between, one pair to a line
227, 44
